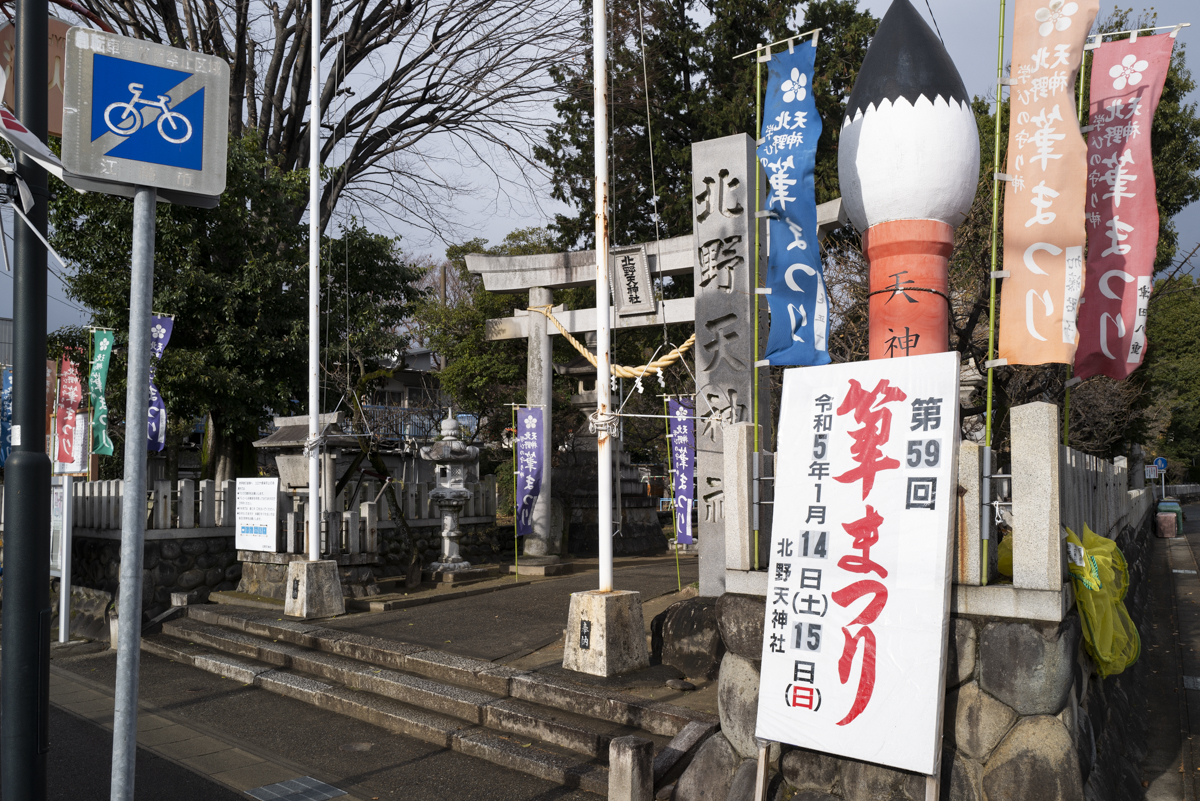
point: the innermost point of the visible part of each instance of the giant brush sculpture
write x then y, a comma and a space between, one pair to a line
908, 162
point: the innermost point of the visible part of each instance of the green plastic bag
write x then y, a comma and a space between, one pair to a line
1101, 579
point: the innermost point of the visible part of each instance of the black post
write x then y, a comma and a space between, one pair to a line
24, 679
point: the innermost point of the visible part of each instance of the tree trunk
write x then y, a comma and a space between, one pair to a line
227, 456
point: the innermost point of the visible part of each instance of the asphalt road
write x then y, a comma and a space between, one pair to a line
505, 625
366, 761
80, 760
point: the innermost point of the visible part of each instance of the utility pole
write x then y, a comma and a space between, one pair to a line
24, 680
604, 447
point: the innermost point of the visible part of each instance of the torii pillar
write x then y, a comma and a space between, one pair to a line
539, 391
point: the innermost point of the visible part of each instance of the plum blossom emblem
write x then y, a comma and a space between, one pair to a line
1056, 16
1129, 71
158, 332
794, 88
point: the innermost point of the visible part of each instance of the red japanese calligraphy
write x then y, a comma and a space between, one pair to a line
866, 677
865, 533
877, 428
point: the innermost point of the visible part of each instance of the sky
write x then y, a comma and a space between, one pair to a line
968, 27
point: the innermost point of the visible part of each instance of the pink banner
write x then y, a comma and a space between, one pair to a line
1122, 213
1044, 198
70, 395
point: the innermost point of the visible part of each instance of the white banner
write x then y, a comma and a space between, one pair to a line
858, 595
257, 515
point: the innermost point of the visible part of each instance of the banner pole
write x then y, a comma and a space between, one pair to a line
757, 228
516, 539
671, 476
983, 545
1071, 367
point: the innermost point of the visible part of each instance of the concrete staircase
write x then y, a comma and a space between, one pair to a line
547, 726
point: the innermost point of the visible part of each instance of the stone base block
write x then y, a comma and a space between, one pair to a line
313, 590
606, 635
461, 576
550, 569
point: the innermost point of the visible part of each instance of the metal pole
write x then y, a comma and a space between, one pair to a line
133, 504
757, 309
64, 559
603, 358
314, 290
991, 353
24, 680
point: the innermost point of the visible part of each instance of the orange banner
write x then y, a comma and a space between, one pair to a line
1044, 197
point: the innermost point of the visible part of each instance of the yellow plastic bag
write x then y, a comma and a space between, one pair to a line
1101, 578
1004, 556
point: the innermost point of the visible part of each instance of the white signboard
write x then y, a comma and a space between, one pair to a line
257, 515
1152, 471
859, 588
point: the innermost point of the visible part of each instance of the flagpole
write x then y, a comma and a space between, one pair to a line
314, 290
1071, 367
603, 358
991, 353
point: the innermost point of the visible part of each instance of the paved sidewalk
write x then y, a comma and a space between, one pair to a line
190, 755
504, 626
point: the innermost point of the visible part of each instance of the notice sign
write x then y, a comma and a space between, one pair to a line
858, 595
257, 514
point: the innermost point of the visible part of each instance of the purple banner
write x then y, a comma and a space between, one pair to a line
156, 431
530, 449
683, 454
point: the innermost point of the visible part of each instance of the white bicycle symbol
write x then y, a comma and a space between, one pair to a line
131, 119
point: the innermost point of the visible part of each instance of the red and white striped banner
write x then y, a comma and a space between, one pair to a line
1122, 213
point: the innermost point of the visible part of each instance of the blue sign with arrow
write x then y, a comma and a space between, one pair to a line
1161, 463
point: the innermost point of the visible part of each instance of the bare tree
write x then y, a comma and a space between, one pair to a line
419, 96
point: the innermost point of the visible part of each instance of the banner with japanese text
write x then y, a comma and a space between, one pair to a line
529, 466
6, 401
102, 347
681, 416
1122, 211
1044, 196
160, 335
66, 408
799, 331
857, 606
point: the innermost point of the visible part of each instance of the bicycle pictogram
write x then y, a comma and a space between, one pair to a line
131, 120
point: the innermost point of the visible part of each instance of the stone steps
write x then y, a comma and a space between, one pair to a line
547, 726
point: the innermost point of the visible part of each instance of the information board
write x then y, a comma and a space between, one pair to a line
257, 515
858, 594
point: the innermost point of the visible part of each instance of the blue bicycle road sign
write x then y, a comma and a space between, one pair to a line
142, 114
134, 102
1161, 463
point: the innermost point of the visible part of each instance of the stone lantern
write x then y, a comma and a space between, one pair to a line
451, 457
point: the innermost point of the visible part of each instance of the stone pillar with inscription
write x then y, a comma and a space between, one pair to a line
723, 173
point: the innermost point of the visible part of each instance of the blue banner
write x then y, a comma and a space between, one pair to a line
6, 401
156, 431
683, 466
530, 449
798, 301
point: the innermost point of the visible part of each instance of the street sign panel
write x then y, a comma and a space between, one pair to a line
1152, 472
142, 114
1161, 463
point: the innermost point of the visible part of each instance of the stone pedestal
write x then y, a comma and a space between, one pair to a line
606, 635
313, 590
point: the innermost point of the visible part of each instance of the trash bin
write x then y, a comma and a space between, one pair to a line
1165, 525
1171, 506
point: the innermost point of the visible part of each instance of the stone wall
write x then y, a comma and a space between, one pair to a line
194, 565
1025, 717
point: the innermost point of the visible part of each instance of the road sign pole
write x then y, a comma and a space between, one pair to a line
133, 504
24, 680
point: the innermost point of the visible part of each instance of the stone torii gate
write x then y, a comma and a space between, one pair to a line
719, 254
